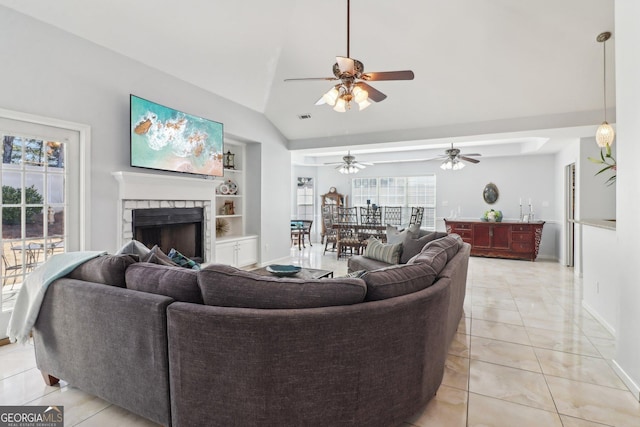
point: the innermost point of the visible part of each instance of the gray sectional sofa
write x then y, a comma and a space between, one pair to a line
224, 347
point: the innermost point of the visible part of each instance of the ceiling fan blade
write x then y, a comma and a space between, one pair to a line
333, 163
346, 65
472, 154
311, 78
365, 163
358, 165
374, 94
388, 75
469, 159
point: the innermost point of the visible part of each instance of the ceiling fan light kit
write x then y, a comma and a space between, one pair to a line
605, 133
349, 164
353, 86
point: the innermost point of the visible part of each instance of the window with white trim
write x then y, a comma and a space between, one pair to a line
407, 192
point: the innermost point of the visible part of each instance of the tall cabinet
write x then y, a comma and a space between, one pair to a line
233, 245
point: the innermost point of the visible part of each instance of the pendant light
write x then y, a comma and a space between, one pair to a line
605, 133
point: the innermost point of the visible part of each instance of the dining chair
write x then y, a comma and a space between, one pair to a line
417, 213
299, 229
330, 233
393, 215
348, 236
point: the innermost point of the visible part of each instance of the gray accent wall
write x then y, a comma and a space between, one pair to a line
52, 73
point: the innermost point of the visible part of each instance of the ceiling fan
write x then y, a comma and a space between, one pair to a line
353, 86
453, 158
349, 164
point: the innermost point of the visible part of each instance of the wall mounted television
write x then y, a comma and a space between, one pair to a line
166, 139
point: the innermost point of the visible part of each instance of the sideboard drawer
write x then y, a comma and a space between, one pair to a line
521, 227
521, 247
461, 227
465, 234
521, 237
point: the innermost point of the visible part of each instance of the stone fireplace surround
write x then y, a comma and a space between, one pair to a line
149, 190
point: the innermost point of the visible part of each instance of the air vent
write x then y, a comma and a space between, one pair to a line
304, 116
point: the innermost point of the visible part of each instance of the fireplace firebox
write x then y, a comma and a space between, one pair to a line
179, 228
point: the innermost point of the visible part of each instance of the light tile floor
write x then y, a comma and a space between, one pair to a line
526, 354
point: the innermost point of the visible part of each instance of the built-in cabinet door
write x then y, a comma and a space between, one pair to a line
247, 252
226, 253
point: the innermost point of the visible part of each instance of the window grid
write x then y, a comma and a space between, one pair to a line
399, 191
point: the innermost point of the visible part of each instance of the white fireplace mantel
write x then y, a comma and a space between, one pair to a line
146, 186
165, 191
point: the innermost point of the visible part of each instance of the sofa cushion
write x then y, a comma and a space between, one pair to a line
359, 262
226, 286
413, 244
178, 283
450, 243
386, 252
435, 257
398, 280
105, 269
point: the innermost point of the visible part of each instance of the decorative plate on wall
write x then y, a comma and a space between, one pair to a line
490, 193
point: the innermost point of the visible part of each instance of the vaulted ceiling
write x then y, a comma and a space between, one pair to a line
523, 71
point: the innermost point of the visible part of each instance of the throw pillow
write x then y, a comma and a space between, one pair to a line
182, 260
398, 280
355, 274
175, 282
395, 236
389, 253
226, 286
134, 247
156, 256
106, 269
413, 244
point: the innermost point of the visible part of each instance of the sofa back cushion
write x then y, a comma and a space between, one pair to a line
413, 244
105, 269
385, 252
435, 257
451, 243
398, 280
226, 286
179, 283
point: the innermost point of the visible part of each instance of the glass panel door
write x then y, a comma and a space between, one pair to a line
34, 207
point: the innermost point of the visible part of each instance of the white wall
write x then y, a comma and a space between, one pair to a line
627, 34
596, 200
461, 191
51, 73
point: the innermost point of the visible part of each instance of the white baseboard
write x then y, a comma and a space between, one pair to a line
599, 318
633, 387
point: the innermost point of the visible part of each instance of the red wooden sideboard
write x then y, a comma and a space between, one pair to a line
507, 239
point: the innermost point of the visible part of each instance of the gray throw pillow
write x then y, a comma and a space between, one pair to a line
105, 269
226, 286
178, 283
395, 236
156, 256
133, 247
389, 253
413, 244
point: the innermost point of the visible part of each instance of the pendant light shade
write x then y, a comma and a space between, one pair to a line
605, 133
